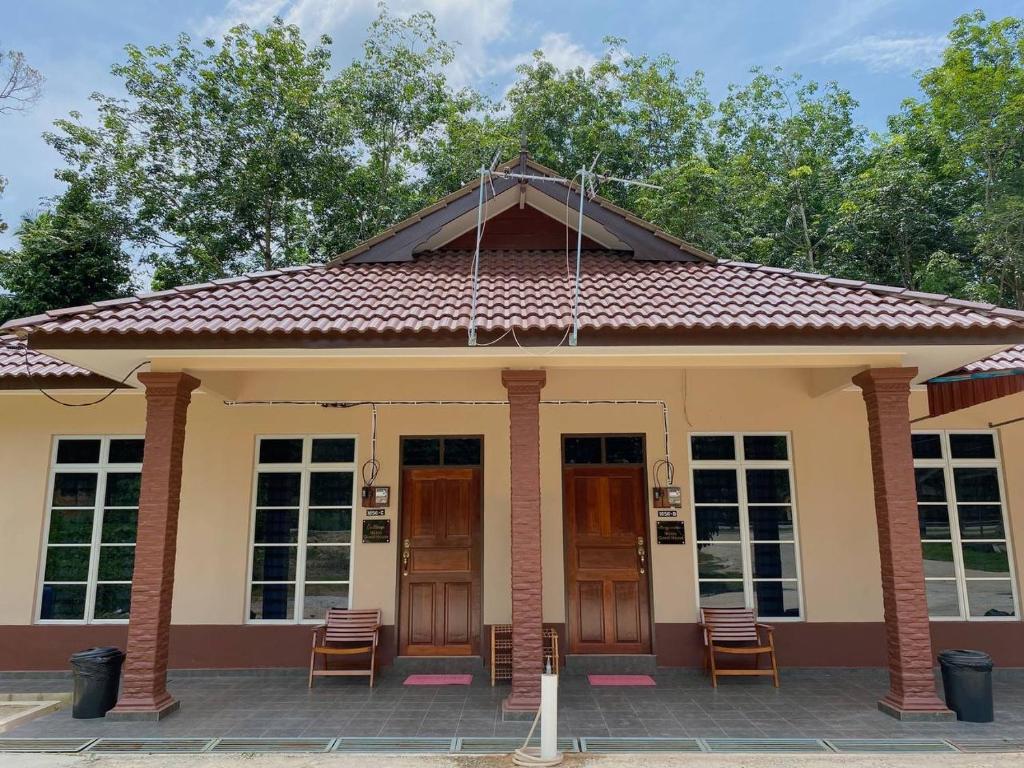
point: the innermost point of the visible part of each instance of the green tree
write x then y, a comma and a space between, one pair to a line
221, 156
67, 256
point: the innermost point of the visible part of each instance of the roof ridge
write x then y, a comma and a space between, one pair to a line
11, 326
932, 299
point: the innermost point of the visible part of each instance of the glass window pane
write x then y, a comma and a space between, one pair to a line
765, 448
713, 447
767, 486
583, 450
990, 598
624, 450
329, 526
933, 520
931, 484
981, 521
119, 526
70, 526
774, 561
715, 486
976, 484
720, 561
272, 601
63, 602
113, 601
320, 597
421, 451
334, 449
78, 451
126, 451
74, 489
718, 523
972, 446
123, 489
771, 523
938, 559
776, 598
926, 446
281, 450
327, 563
274, 563
116, 563
277, 526
330, 489
986, 560
462, 451
721, 594
943, 599
67, 564
278, 489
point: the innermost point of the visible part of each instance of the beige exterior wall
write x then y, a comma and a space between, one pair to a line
838, 549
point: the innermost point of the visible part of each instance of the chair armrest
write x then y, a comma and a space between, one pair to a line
765, 627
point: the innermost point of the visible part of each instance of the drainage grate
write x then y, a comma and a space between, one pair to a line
889, 745
765, 745
499, 745
272, 745
44, 745
988, 745
612, 745
391, 744
151, 745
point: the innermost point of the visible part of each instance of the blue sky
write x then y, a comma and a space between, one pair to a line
871, 47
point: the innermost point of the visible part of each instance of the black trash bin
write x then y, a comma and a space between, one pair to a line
967, 680
97, 674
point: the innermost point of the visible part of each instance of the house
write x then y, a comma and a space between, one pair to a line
466, 442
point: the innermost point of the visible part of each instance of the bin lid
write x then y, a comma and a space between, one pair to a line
966, 659
96, 654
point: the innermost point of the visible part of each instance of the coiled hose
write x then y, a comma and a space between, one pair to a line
530, 756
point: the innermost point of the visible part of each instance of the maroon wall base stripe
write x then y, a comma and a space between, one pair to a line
197, 646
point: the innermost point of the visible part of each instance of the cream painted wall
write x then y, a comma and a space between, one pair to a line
839, 556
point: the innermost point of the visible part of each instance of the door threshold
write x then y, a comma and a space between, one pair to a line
439, 664
610, 663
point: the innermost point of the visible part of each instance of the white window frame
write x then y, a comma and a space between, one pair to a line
740, 465
304, 468
947, 463
100, 469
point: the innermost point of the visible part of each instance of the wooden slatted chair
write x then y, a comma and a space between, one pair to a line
736, 632
346, 633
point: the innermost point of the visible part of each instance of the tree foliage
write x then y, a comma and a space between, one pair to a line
251, 153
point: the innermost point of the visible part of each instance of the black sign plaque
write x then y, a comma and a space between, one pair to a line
671, 532
376, 531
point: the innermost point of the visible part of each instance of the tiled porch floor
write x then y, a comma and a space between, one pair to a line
811, 703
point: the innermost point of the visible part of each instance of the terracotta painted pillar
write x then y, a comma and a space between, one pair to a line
911, 679
527, 616
144, 693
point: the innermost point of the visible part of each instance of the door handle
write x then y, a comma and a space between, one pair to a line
641, 553
405, 557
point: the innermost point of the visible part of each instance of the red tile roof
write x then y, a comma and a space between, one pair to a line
27, 369
527, 290
1007, 360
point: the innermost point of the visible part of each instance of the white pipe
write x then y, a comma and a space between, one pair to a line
548, 716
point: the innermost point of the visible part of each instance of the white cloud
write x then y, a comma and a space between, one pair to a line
564, 52
891, 54
474, 24
825, 24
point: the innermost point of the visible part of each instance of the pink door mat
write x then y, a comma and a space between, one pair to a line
438, 680
621, 680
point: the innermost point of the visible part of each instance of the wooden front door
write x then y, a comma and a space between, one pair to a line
608, 597
440, 562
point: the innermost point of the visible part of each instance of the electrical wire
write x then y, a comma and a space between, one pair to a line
32, 377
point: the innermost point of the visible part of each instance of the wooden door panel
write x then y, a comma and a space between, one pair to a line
439, 596
605, 515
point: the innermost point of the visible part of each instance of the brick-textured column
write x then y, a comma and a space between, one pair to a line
911, 679
144, 688
527, 615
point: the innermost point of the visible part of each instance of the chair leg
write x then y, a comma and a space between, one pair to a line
373, 663
312, 661
713, 667
775, 666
